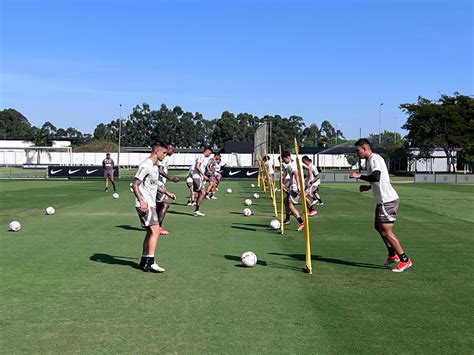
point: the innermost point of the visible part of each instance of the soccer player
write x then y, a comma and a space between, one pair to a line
387, 203
312, 182
268, 170
189, 183
108, 165
199, 178
145, 187
293, 190
211, 173
162, 201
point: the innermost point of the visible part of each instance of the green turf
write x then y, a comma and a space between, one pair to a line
69, 282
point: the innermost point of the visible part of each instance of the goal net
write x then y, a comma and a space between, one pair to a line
260, 143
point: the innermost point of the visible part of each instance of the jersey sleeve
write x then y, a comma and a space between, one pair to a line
374, 164
143, 171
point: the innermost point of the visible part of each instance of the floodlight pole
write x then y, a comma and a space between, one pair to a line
380, 123
119, 140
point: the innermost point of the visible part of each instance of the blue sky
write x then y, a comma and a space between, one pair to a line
74, 62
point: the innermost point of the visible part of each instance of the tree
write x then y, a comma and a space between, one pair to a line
311, 136
14, 124
446, 123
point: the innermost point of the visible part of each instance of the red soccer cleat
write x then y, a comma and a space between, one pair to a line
312, 213
300, 227
391, 260
402, 266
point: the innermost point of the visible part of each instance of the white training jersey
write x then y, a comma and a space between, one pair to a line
269, 167
290, 180
148, 175
203, 160
164, 164
217, 169
383, 190
310, 174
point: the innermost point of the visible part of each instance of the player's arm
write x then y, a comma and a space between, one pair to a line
162, 189
298, 183
143, 205
165, 175
374, 177
103, 163
198, 167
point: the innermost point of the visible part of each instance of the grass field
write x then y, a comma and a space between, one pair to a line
70, 283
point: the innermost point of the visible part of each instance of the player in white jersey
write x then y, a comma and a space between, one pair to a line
145, 187
387, 203
211, 171
292, 186
199, 178
189, 183
269, 171
162, 201
312, 181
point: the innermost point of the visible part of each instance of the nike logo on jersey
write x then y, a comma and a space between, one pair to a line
234, 172
91, 171
250, 173
73, 171
55, 171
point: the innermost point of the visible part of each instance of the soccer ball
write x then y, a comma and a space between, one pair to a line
248, 202
15, 226
249, 259
115, 195
252, 185
50, 210
256, 195
247, 212
275, 224
229, 191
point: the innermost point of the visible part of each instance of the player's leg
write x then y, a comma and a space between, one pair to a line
106, 184
309, 201
404, 261
198, 185
113, 183
161, 210
293, 200
287, 209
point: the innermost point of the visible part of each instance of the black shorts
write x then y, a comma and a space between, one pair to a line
109, 174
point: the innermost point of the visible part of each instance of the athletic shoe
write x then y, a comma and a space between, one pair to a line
391, 260
199, 214
193, 204
217, 189
164, 231
286, 222
190, 203
300, 227
312, 213
321, 203
106, 190
402, 266
208, 197
314, 203
214, 197
154, 268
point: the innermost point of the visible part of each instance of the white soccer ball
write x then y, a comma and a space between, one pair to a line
15, 226
229, 191
247, 212
252, 185
50, 210
275, 224
115, 195
248, 202
249, 259
256, 195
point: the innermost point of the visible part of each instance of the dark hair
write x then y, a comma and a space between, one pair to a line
363, 141
169, 144
217, 154
306, 158
158, 144
285, 154
107, 154
208, 148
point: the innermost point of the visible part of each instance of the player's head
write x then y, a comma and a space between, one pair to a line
265, 158
286, 156
363, 148
171, 148
207, 151
107, 155
159, 149
217, 158
306, 160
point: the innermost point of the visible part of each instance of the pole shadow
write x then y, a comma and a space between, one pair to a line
302, 257
262, 263
244, 228
130, 228
113, 260
253, 225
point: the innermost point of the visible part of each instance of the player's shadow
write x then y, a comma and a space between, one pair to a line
302, 257
113, 260
181, 213
263, 263
253, 225
130, 228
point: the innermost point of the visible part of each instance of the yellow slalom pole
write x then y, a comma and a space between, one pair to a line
273, 194
282, 199
263, 176
259, 173
309, 267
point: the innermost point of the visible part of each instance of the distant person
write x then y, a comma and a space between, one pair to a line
199, 178
312, 182
292, 186
387, 203
145, 187
211, 173
108, 165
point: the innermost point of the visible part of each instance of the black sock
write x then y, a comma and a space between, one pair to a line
310, 208
320, 201
197, 208
300, 220
403, 257
391, 251
113, 184
287, 217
